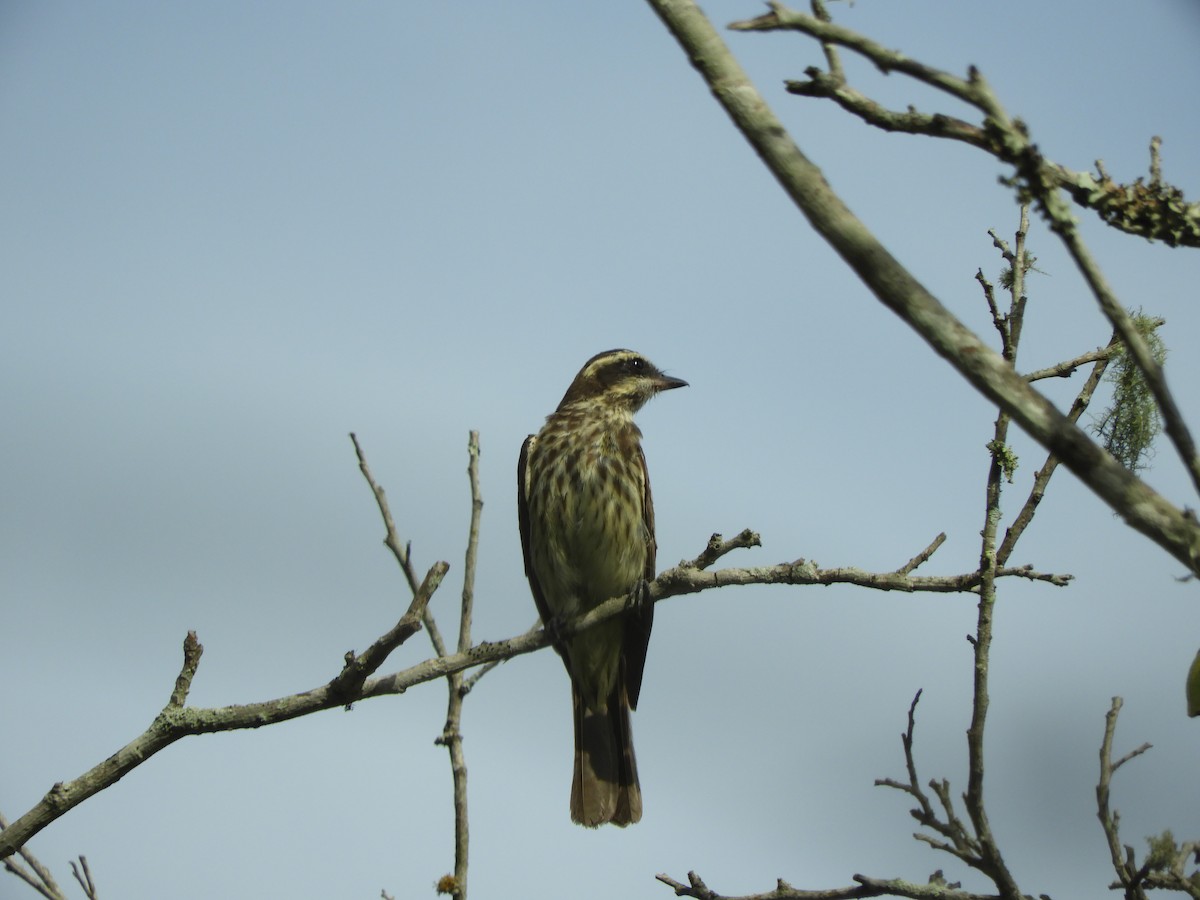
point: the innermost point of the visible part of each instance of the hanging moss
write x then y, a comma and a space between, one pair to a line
1129, 426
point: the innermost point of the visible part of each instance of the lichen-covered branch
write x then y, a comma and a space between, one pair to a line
1008, 139
1151, 208
1141, 507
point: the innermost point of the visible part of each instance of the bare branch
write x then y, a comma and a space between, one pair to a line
962, 843
192, 651
359, 668
989, 295
1067, 368
355, 683
718, 547
679, 580
451, 737
1132, 754
174, 723
865, 886
966, 845
1164, 866
1123, 863
468, 592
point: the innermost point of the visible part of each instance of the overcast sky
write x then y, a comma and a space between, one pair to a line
233, 233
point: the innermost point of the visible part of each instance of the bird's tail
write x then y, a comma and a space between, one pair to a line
605, 786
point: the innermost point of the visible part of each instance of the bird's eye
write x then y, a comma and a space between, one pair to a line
636, 364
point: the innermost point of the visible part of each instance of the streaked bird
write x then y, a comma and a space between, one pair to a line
587, 531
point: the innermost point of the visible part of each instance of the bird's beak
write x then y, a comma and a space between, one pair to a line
667, 383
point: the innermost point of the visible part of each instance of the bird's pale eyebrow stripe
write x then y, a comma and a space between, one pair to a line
610, 360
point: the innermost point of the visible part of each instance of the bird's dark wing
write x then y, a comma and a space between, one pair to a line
523, 520
648, 518
640, 618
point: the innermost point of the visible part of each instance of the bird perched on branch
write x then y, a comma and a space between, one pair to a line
587, 532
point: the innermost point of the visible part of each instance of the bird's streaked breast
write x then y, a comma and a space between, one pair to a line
586, 490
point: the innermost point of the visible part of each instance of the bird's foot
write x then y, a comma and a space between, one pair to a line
555, 629
640, 605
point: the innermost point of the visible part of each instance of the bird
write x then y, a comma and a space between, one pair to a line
587, 534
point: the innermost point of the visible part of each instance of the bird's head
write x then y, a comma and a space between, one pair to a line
620, 380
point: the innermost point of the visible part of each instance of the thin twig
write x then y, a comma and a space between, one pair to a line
192, 651
402, 551
962, 843
468, 592
391, 538
832, 57
471, 680
1122, 858
358, 668
718, 547
1067, 368
451, 736
1042, 478
921, 558
85, 878
989, 295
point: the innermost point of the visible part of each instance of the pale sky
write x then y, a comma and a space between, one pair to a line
233, 233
